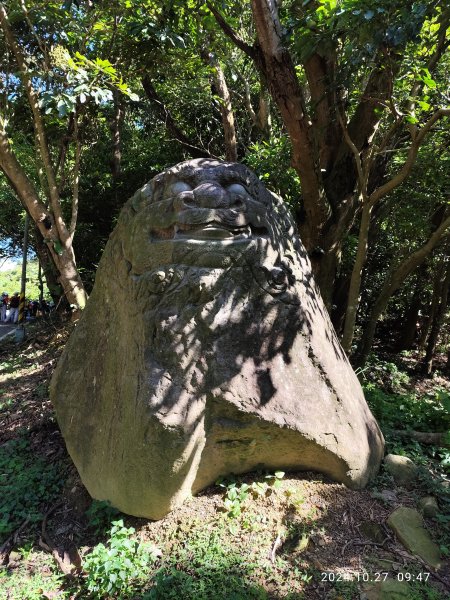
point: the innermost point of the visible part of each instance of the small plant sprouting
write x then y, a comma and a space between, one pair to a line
236, 495
118, 567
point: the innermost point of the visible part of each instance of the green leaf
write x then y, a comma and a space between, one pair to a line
429, 82
424, 105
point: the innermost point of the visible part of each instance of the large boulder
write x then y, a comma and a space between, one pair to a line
205, 349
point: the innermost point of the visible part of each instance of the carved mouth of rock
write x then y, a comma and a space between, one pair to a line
212, 231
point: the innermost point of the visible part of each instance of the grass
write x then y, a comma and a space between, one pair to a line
206, 566
33, 579
28, 485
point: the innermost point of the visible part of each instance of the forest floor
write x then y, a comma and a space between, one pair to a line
264, 535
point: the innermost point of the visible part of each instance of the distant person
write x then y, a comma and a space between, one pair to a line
14, 308
45, 309
4, 307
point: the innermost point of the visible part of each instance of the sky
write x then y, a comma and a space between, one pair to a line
8, 263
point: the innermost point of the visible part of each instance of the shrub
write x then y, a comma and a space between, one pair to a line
120, 566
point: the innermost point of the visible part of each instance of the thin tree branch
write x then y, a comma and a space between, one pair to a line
35, 35
229, 31
411, 158
357, 157
76, 177
247, 97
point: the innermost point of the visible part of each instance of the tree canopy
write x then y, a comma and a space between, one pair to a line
340, 106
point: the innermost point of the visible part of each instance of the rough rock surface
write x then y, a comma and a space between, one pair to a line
205, 349
428, 506
391, 589
408, 526
402, 469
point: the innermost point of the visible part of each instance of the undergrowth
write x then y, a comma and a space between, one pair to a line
399, 410
28, 485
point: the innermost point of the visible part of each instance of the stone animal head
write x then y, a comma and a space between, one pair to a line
201, 211
205, 350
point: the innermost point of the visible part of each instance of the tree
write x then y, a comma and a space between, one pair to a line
350, 85
368, 201
49, 78
49, 219
439, 314
394, 281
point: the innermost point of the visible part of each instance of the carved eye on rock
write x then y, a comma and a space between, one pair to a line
178, 187
278, 281
280, 277
238, 189
238, 193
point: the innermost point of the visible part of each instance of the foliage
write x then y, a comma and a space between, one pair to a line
89, 58
10, 281
205, 567
408, 410
120, 566
100, 514
384, 374
271, 162
237, 494
28, 485
402, 411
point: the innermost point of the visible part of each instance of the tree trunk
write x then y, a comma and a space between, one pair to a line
447, 364
263, 116
50, 222
48, 268
226, 109
277, 66
116, 134
325, 267
60, 250
408, 333
340, 302
438, 318
392, 283
432, 309
424, 437
355, 280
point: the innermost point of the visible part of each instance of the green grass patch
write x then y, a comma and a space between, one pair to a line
205, 567
28, 484
408, 410
32, 581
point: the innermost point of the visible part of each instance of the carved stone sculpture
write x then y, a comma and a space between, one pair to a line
205, 349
